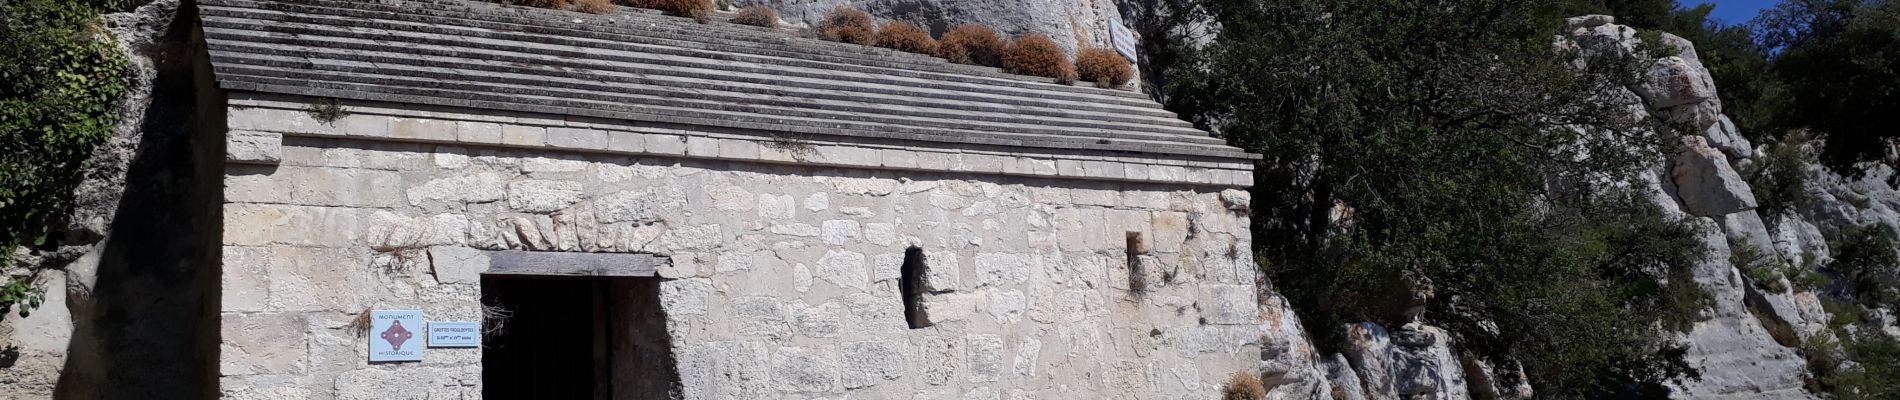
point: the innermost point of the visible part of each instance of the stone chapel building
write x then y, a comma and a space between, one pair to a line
638, 206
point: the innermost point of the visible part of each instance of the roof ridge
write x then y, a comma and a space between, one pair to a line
654, 68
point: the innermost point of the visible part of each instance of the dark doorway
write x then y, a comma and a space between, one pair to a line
575, 338
542, 345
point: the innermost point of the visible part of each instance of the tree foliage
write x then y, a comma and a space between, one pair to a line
60, 79
1448, 147
1868, 260
1839, 61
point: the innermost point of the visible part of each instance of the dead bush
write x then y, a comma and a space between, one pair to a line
698, 10
1244, 386
595, 6
1036, 55
760, 16
555, 4
905, 36
846, 24
972, 44
1105, 67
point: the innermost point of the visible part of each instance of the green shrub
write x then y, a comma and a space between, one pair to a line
1874, 371
1777, 178
1865, 258
1811, 280
61, 78
1763, 269
1651, 43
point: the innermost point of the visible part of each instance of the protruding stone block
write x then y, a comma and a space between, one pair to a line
252, 147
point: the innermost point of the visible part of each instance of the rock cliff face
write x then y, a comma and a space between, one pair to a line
1748, 347
125, 290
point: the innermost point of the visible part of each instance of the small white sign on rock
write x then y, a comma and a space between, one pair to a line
1123, 40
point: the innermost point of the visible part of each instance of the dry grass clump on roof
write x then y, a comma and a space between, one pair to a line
698, 10
1105, 67
1244, 386
760, 16
846, 24
1035, 55
905, 36
972, 44
555, 4
595, 6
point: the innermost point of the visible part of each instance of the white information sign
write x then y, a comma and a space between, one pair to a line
1123, 40
392, 335
455, 334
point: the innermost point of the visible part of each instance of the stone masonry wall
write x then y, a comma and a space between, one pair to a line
783, 275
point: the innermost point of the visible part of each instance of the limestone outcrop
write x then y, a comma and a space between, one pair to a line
123, 295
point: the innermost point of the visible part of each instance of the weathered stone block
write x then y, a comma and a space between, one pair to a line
700, 146
478, 132
1007, 306
804, 370
626, 141
760, 317
685, 296
268, 224
839, 232
245, 281
342, 187
252, 147
939, 358
422, 129
666, 144
872, 362
543, 196
458, 265
517, 135
1228, 304
845, 269
1000, 269
820, 321
941, 273
738, 149
577, 138
261, 343
474, 188
985, 358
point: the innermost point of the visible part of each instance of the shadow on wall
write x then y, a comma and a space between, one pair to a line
145, 329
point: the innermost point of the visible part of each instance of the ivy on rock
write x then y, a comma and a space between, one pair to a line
61, 78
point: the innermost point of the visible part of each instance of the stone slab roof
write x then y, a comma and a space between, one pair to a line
641, 66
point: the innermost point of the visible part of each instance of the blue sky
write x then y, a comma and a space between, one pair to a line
1734, 11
